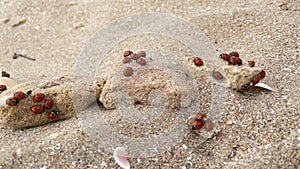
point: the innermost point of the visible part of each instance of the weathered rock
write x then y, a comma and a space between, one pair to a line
8, 82
59, 90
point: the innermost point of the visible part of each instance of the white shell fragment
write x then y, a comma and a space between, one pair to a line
265, 86
120, 157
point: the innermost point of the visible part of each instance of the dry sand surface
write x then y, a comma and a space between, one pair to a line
256, 130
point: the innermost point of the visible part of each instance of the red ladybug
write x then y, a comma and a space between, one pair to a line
11, 101
262, 74
5, 74
134, 56
246, 88
255, 79
2, 88
53, 115
224, 56
126, 60
238, 61
234, 54
127, 53
198, 61
200, 116
19, 95
37, 109
251, 63
38, 97
232, 61
48, 103
197, 125
142, 54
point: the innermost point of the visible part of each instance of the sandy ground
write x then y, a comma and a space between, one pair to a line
258, 130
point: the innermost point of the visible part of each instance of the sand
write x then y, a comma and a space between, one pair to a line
256, 130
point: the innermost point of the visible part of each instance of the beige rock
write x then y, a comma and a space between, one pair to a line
238, 76
59, 89
8, 82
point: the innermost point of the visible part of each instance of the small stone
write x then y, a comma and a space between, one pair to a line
126, 59
142, 54
127, 71
78, 25
103, 164
141, 61
208, 125
218, 75
229, 122
184, 147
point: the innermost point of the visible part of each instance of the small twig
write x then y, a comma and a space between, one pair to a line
24, 56
20, 22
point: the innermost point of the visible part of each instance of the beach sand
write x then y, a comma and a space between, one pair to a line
256, 130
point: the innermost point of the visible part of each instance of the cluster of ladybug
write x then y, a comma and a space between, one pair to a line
36, 98
255, 80
129, 55
233, 58
3, 87
199, 121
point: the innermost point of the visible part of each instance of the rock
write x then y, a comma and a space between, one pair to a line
8, 82
20, 116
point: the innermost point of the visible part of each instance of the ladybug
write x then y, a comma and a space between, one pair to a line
142, 54
224, 56
19, 95
234, 54
38, 97
200, 116
246, 88
238, 61
197, 125
48, 103
37, 109
134, 56
53, 114
251, 63
262, 74
198, 61
232, 61
126, 60
255, 79
127, 53
5, 74
141, 61
11, 101
2, 88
